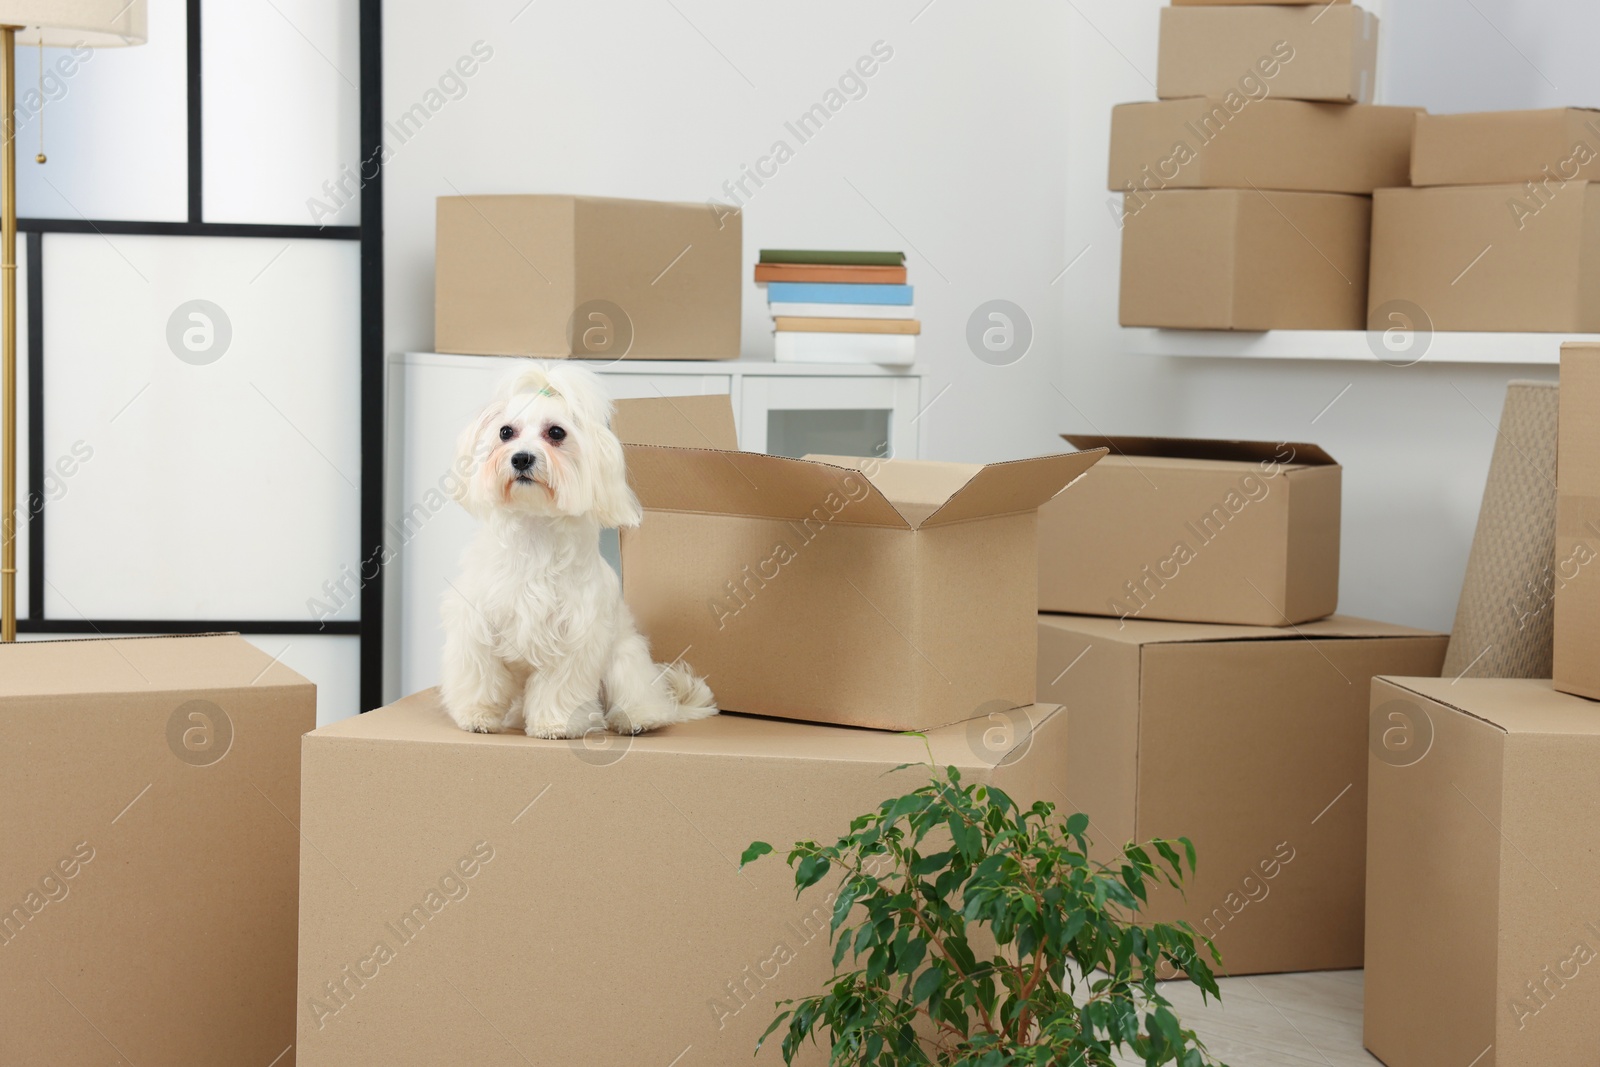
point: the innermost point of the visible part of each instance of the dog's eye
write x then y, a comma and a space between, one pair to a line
556, 433
507, 433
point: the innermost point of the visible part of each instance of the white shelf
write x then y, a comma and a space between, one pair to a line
745, 367
1355, 345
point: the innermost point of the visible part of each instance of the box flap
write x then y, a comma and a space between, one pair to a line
917, 488
178, 663
1009, 488
717, 482
681, 421
1514, 705
1150, 632
1305, 455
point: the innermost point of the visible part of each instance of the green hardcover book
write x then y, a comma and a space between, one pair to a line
846, 259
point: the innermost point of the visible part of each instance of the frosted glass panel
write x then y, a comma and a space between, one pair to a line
116, 127
209, 388
833, 433
332, 663
281, 111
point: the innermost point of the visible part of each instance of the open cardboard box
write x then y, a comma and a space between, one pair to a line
885, 593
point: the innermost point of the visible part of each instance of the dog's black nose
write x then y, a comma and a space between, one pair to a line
522, 460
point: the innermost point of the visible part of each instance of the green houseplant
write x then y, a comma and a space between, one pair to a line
1068, 977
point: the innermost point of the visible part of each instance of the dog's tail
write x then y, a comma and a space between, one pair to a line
689, 691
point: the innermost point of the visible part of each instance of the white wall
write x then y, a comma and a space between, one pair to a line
980, 149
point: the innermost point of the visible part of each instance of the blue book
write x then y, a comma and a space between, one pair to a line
836, 293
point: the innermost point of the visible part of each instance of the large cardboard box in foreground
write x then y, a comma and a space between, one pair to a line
1487, 257
1483, 874
1245, 259
1328, 52
148, 796
1250, 741
588, 277
495, 898
1199, 143
1192, 530
1577, 564
1553, 146
893, 594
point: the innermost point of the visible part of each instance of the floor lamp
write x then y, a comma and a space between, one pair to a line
49, 23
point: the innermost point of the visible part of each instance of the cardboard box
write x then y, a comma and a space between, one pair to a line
1250, 741
552, 903
1222, 3
150, 856
1577, 577
586, 277
1292, 52
1487, 257
1295, 145
1483, 862
1242, 259
1243, 532
893, 594
1553, 146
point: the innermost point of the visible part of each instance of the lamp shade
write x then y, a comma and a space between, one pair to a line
65, 23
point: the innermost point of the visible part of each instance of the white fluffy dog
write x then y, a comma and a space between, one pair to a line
536, 632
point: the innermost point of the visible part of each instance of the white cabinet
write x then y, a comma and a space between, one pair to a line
782, 408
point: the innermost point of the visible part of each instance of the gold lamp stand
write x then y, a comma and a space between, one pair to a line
8, 348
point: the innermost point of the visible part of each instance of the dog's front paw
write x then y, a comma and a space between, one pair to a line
479, 720
581, 722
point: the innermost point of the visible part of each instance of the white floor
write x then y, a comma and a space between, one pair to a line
1280, 1020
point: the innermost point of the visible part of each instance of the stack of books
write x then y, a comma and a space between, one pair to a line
839, 307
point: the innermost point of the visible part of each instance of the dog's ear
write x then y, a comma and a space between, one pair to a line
613, 502
472, 449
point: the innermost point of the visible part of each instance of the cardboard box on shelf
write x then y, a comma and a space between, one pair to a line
1232, 259
500, 871
1243, 532
1483, 862
1250, 741
1244, 143
1577, 558
150, 865
586, 277
1554, 146
1487, 257
892, 594
1303, 52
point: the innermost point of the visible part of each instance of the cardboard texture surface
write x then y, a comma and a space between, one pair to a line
1577, 568
585, 276
150, 862
556, 871
1299, 52
1252, 742
1498, 147
1195, 530
1488, 257
1221, 143
1229, 259
1483, 917
892, 594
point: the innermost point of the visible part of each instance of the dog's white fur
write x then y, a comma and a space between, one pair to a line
536, 632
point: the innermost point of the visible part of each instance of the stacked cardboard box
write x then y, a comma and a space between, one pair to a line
1503, 229
1247, 187
839, 307
1240, 718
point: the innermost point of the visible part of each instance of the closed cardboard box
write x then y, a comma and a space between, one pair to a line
580, 902
1483, 874
1240, 143
1243, 259
1193, 530
1325, 52
1552, 146
1577, 564
1488, 257
1252, 742
586, 277
891, 594
150, 859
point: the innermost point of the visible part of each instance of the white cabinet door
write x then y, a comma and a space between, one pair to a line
831, 416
